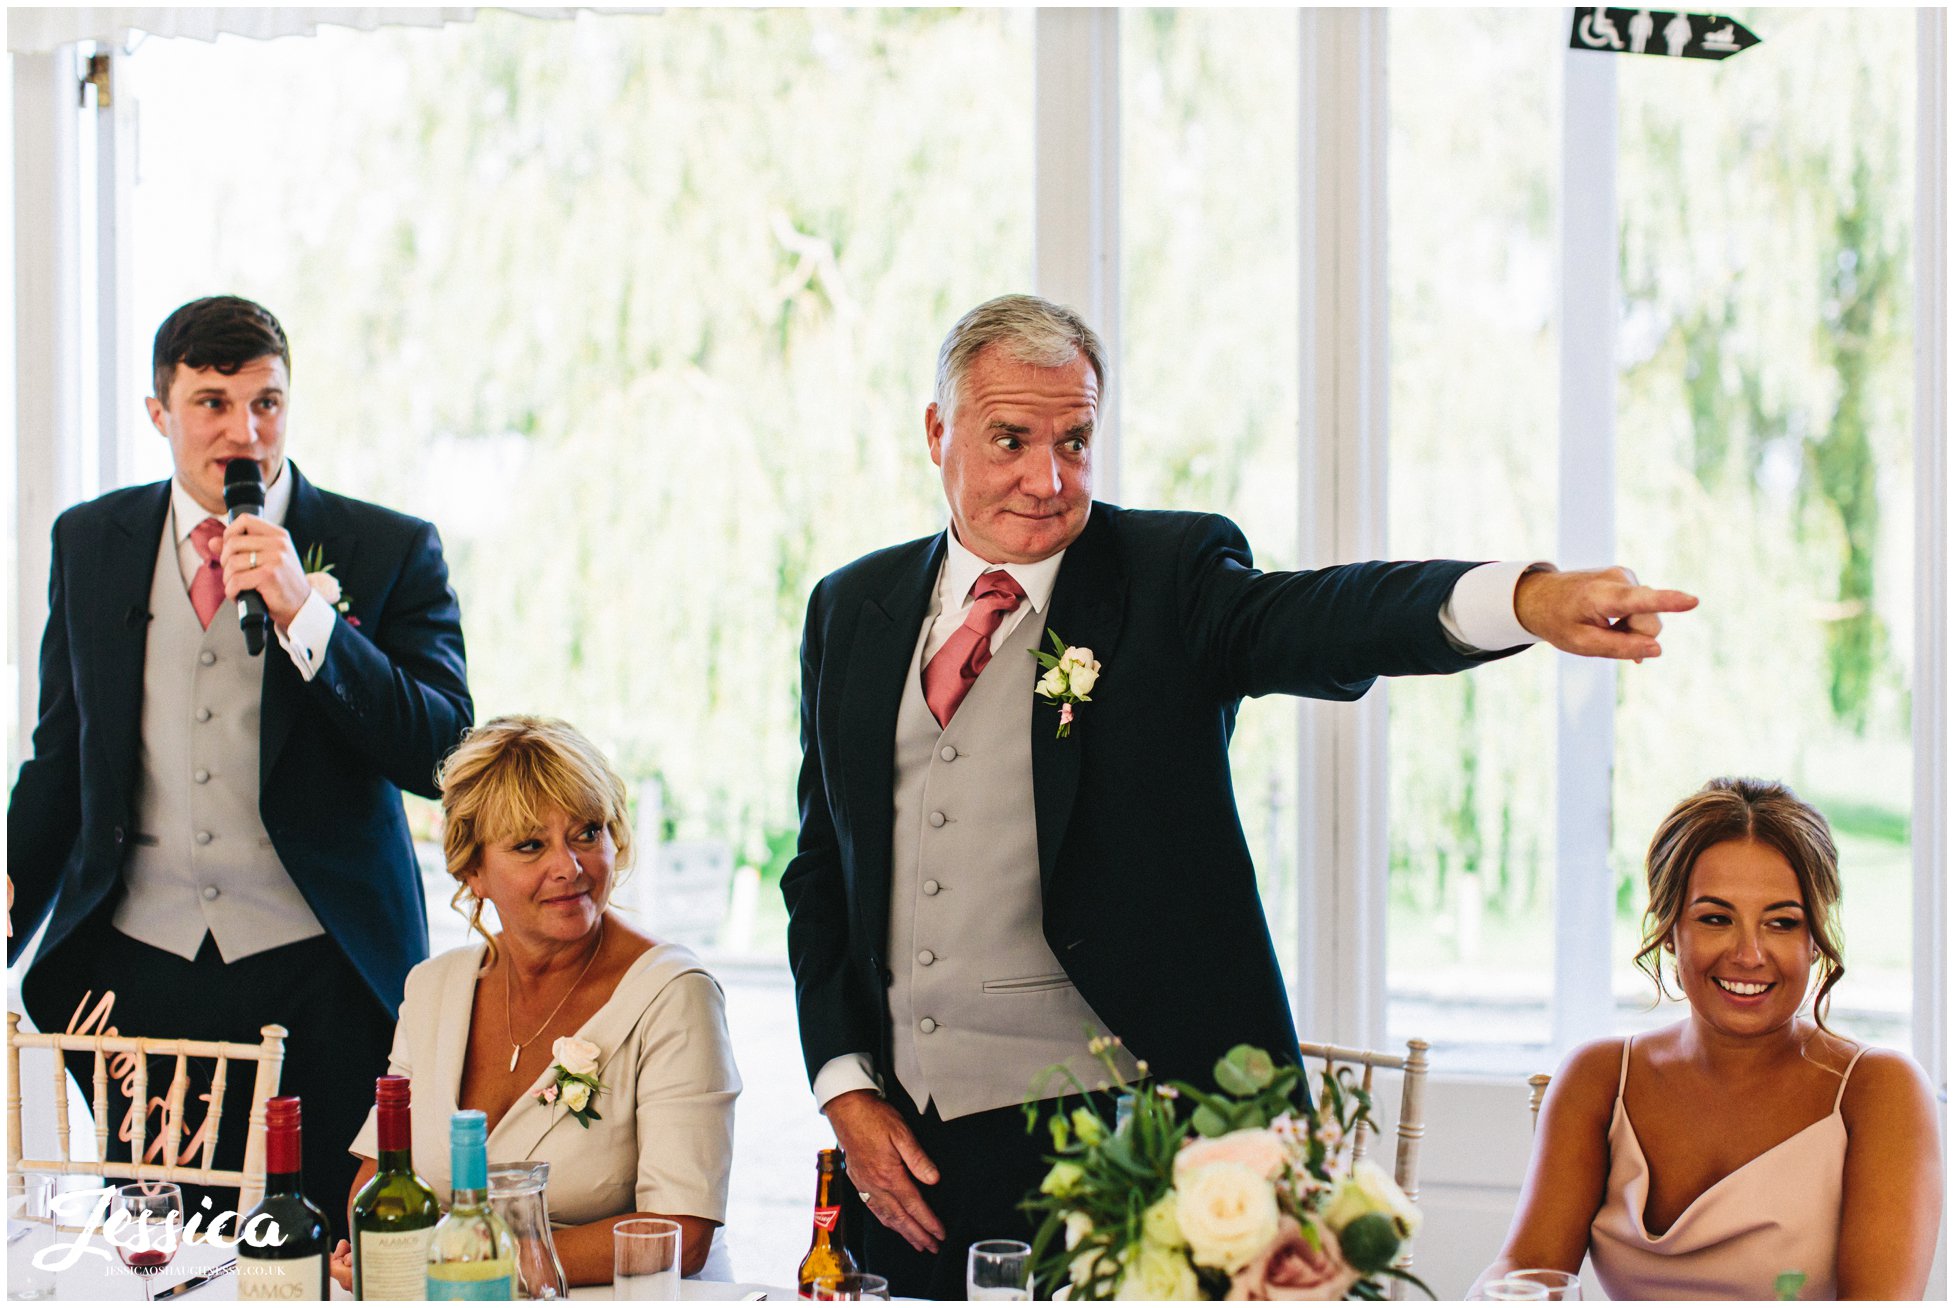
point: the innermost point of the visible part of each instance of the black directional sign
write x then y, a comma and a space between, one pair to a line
1653, 32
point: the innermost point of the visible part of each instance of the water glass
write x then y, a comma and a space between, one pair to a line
1558, 1284
645, 1258
855, 1285
998, 1270
30, 1229
1511, 1289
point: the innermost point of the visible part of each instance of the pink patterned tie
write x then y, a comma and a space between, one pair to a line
953, 671
207, 587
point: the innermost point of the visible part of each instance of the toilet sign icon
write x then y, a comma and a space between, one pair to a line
1658, 32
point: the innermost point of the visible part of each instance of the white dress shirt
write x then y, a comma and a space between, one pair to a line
312, 626
1477, 617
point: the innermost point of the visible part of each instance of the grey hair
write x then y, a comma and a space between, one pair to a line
1028, 329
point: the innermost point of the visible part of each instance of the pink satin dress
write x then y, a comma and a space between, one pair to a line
1777, 1213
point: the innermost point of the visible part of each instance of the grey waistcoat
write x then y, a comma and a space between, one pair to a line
979, 1003
202, 859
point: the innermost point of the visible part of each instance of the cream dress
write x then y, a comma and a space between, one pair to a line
664, 1143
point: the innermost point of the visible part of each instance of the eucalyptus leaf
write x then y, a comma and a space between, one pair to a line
1209, 1122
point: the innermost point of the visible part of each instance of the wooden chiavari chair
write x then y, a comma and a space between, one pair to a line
1411, 1113
268, 1057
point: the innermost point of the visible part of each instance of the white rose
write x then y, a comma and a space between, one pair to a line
1261, 1151
326, 584
1077, 656
1052, 684
1370, 1189
577, 1057
1083, 679
1077, 1227
1227, 1214
1158, 1274
576, 1096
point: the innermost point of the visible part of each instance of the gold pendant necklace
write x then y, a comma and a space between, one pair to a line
508, 1015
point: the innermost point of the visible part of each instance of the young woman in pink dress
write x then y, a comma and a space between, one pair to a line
1706, 1159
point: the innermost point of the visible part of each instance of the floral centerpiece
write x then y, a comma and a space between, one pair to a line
1247, 1196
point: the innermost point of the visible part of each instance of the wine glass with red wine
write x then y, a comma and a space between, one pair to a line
151, 1227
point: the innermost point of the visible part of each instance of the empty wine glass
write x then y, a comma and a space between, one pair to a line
853, 1285
1558, 1284
998, 1270
146, 1227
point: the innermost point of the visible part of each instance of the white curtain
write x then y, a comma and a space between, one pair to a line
38, 30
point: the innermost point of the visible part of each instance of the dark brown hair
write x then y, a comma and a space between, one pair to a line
219, 331
1742, 808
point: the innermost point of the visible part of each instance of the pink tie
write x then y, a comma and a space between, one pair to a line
953, 671
207, 587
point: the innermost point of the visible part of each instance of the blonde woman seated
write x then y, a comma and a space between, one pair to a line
1702, 1160
537, 826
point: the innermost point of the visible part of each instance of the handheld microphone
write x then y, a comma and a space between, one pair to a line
244, 492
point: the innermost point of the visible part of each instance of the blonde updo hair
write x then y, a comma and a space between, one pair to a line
1743, 808
504, 776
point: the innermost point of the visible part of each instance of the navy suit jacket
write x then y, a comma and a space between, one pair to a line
1150, 902
388, 703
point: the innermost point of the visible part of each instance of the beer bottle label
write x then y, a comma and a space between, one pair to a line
825, 1218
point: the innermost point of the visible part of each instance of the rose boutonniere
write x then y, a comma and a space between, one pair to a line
318, 575
1070, 674
572, 1079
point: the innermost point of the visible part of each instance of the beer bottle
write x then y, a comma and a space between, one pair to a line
826, 1256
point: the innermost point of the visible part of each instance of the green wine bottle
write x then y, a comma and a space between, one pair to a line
470, 1254
395, 1212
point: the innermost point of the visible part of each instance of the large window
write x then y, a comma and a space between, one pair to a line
1763, 460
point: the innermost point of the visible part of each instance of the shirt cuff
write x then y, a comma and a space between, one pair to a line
1478, 617
840, 1075
305, 640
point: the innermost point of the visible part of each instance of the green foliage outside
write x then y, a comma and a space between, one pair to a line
1764, 448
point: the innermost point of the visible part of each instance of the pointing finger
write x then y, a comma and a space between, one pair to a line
1647, 599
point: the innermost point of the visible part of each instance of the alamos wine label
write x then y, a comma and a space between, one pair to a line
288, 1280
825, 1218
393, 1264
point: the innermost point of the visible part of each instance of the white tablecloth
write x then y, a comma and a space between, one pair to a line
94, 1277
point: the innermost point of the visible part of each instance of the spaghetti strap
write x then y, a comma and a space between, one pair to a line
1847, 1076
1621, 1085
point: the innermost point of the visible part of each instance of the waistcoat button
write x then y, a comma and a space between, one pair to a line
948, 753
926, 958
937, 819
927, 1025
931, 887
206, 658
204, 837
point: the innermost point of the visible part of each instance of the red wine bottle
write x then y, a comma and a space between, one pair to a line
284, 1250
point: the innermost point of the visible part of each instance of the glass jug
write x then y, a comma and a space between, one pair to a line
516, 1194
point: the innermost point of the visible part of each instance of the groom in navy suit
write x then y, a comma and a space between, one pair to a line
973, 889
216, 840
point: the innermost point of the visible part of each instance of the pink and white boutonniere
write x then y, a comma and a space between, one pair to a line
318, 575
1070, 674
572, 1079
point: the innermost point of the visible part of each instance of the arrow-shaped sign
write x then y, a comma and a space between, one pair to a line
1653, 32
